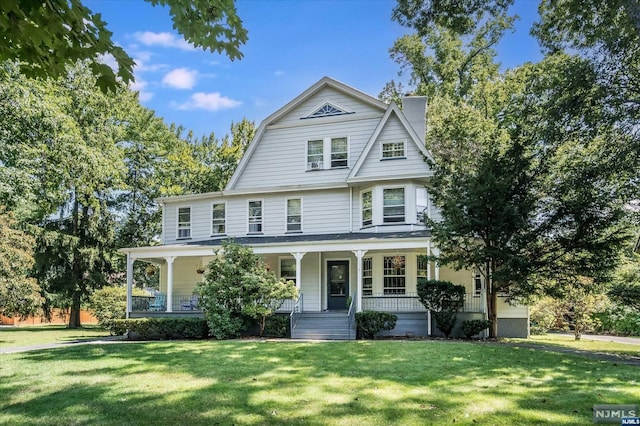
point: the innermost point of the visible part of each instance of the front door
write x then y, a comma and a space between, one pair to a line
337, 284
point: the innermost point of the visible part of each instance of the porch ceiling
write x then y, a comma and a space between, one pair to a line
293, 243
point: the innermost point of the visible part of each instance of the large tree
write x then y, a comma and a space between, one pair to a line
47, 36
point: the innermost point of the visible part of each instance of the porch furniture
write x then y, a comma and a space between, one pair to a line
159, 303
190, 304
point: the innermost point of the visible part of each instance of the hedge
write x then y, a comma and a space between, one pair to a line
162, 328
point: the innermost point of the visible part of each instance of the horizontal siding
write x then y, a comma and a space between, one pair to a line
393, 131
310, 286
280, 157
349, 102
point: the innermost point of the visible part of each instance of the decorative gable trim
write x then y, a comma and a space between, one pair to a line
327, 109
323, 82
392, 109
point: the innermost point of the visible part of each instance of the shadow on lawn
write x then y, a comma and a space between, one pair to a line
320, 383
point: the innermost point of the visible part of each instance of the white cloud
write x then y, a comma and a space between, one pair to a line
109, 61
209, 101
278, 73
181, 78
164, 39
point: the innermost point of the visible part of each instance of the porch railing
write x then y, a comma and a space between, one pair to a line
352, 314
409, 302
181, 302
296, 312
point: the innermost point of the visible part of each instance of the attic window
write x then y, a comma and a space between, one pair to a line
327, 109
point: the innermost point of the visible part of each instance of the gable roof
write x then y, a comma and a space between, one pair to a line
413, 136
298, 100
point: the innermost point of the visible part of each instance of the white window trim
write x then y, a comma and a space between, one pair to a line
404, 150
280, 259
261, 200
362, 225
370, 258
178, 237
404, 187
404, 289
286, 215
326, 153
225, 218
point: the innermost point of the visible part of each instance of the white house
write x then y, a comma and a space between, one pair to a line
332, 192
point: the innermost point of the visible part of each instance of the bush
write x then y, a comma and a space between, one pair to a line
617, 320
110, 303
370, 323
162, 328
277, 326
472, 327
443, 299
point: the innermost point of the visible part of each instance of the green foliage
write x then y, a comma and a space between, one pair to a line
545, 314
19, 293
110, 303
277, 326
237, 285
370, 323
161, 328
443, 299
46, 37
618, 320
472, 327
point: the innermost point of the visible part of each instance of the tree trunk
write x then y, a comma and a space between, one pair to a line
74, 315
492, 298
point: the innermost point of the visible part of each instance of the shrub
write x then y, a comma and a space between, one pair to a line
370, 323
110, 303
443, 299
617, 320
472, 327
162, 328
277, 326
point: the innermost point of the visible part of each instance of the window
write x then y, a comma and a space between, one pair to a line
393, 205
367, 276
339, 152
315, 155
421, 204
394, 275
184, 222
367, 208
477, 284
294, 215
422, 268
218, 219
288, 269
393, 150
255, 216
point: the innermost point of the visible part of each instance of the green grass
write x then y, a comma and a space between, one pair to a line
585, 344
38, 335
347, 383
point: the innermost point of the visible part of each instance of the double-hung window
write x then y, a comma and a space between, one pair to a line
421, 204
339, 152
394, 275
392, 150
367, 276
393, 205
255, 217
367, 208
288, 269
184, 222
294, 215
315, 155
477, 283
218, 218
422, 268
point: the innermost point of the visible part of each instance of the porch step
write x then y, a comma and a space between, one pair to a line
324, 326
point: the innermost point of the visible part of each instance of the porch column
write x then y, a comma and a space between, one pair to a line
359, 255
129, 283
170, 260
437, 269
298, 257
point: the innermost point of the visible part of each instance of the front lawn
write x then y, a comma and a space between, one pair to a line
256, 382
43, 334
585, 344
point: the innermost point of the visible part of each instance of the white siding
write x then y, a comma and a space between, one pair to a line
280, 158
310, 286
393, 131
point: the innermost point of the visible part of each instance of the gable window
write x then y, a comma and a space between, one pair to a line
288, 269
315, 155
184, 222
255, 217
421, 204
367, 208
367, 276
394, 275
393, 150
294, 215
393, 205
218, 218
339, 152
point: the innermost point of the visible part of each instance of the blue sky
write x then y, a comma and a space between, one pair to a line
292, 44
